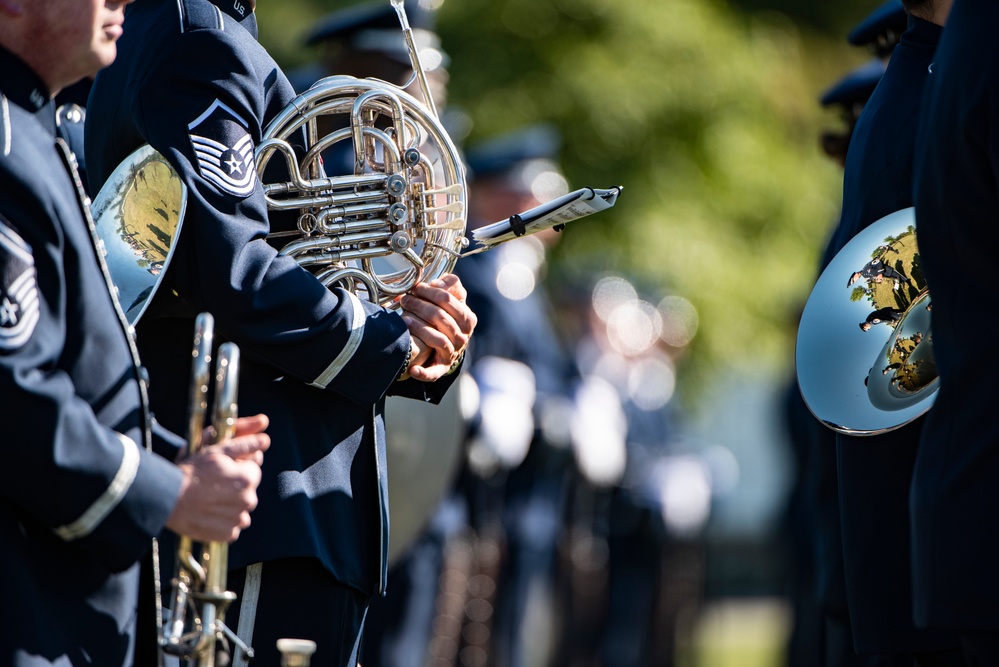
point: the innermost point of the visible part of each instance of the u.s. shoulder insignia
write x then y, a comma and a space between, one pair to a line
19, 306
224, 149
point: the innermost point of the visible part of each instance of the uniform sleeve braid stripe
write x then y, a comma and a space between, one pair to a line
108, 500
353, 343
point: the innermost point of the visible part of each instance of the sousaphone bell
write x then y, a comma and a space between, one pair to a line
864, 353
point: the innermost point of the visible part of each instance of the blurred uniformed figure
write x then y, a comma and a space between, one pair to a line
953, 501
639, 500
514, 481
881, 30
194, 83
364, 40
848, 96
88, 479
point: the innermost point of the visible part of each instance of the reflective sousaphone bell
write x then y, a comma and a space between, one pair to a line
864, 353
138, 214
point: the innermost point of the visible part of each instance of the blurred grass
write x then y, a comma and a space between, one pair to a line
738, 633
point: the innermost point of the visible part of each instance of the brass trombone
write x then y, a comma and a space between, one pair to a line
195, 627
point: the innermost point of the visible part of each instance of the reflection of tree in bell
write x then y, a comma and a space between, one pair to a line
893, 277
900, 351
149, 211
919, 368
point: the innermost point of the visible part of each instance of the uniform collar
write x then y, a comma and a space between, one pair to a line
25, 89
922, 33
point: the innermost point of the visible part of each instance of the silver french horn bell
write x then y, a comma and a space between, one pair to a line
864, 353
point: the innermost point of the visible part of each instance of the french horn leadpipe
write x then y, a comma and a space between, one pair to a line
195, 623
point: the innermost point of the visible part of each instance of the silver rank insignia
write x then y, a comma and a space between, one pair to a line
19, 307
224, 149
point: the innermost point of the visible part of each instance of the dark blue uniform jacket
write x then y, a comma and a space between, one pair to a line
955, 506
192, 81
875, 473
80, 495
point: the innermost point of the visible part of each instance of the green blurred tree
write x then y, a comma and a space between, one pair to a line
706, 114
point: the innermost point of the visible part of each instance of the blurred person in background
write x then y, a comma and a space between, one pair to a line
364, 41
881, 30
634, 571
518, 458
848, 96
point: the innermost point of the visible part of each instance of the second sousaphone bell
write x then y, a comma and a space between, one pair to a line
864, 352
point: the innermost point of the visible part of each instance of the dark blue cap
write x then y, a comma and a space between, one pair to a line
375, 27
346, 24
505, 153
856, 87
882, 28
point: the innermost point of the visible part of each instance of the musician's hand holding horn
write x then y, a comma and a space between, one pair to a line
441, 324
219, 489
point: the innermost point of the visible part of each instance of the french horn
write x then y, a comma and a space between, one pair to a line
398, 218
864, 354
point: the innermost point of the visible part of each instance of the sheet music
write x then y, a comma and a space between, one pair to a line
555, 213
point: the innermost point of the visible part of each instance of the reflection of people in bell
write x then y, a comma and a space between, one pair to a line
900, 352
876, 270
889, 316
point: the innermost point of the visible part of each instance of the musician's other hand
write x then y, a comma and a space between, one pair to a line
437, 315
219, 489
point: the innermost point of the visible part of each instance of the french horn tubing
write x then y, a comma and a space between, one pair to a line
398, 218
194, 625
864, 354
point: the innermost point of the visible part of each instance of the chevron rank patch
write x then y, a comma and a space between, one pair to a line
224, 149
19, 307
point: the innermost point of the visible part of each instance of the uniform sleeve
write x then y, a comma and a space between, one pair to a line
63, 468
202, 107
167, 444
428, 392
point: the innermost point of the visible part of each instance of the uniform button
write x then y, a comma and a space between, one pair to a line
144, 375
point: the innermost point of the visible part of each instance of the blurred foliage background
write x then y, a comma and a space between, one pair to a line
705, 111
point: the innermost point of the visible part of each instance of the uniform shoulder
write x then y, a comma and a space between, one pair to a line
21, 139
172, 15
29, 166
199, 15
